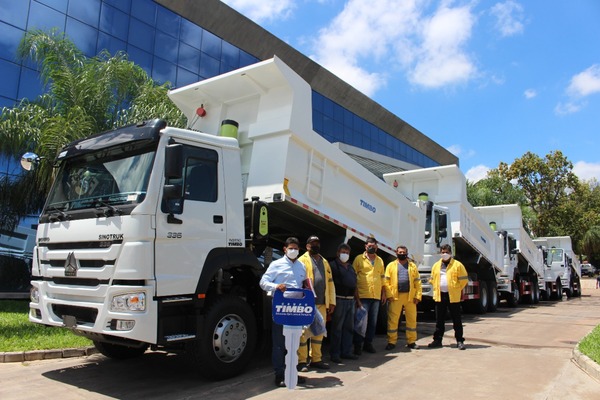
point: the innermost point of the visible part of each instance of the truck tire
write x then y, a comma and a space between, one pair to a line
119, 352
536, 292
527, 298
492, 296
226, 344
577, 292
480, 305
513, 299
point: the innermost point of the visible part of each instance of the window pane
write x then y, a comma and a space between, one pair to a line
114, 22
191, 34
45, 18
141, 35
211, 44
141, 58
30, 86
84, 36
246, 59
164, 71
209, 66
14, 12
144, 10
189, 57
112, 44
123, 5
10, 79
230, 55
9, 41
165, 46
167, 21
85, 11
185, 77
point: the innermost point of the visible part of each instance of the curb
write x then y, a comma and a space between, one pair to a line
588, 365
35, 355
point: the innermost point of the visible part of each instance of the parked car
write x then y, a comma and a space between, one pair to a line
587, 270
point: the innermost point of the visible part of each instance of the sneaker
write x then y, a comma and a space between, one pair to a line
435, 344
368, 347
413, 346
319, 365
350, 356
357, 350
302, 367
390, 346
336, 359
460, 345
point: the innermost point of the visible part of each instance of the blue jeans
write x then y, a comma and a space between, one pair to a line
372, 307
342, 328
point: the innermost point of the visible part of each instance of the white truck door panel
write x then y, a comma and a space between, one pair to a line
181, 249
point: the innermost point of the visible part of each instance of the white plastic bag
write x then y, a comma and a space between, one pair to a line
317, 327
360, 321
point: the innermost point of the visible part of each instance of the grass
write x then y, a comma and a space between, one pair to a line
18, 334
590, 345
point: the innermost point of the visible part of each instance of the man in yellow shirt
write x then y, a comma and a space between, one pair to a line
403, 291
448, 277
370, 293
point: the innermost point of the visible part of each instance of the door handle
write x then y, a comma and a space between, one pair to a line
218, 219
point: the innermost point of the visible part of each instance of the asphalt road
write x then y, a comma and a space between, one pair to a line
522, 353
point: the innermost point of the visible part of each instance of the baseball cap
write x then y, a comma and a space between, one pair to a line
312, 238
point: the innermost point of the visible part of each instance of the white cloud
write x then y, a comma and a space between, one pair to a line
397, 34
587, 171
262, 10
477, 173
509, 17
567, 108
530, 93
585, 83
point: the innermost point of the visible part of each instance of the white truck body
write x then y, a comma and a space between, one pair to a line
171, 258
562, 268
523, 268
474, 243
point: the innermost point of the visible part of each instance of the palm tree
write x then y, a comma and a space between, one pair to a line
83, 96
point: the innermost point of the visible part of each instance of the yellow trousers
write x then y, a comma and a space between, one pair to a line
315, 343
395, 311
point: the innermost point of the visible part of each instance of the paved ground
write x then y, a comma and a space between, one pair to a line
523, 353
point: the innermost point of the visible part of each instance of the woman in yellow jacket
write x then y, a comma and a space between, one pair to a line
321, 278
448, 277
403, 291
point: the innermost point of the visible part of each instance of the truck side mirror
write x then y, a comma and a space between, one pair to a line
29, 161
173, 161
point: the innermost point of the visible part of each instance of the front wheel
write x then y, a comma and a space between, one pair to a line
226, 344
119, 352
493, 296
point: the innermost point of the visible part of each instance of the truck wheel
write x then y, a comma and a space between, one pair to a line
480, 305
536, 292
226, 344
544, 295
528, 298
119, 352
492, 296
577, 292
515, 296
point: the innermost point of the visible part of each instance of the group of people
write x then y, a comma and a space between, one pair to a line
341, 287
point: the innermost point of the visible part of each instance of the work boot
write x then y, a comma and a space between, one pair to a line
302, 367
460, 345
413, 346
319, 365
435, 344
390, 346
357, 350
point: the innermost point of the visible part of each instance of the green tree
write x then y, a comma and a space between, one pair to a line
83, 96
547, 184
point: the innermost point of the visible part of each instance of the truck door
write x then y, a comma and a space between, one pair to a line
197, 225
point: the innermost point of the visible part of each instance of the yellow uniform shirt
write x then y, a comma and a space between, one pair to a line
369, 276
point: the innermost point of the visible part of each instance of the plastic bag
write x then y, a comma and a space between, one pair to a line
317, 327
360, 321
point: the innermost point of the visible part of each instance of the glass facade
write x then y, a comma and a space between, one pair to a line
169, 48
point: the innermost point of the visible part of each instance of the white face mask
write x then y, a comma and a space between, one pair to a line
292, 253
446, 256
344, 257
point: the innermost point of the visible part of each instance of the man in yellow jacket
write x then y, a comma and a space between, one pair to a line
448, 277
321, 278
403, 291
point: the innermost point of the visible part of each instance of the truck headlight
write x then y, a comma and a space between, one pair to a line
34, 295
129, 302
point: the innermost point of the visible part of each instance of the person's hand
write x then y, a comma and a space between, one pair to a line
416, 301
281, 287
331, 309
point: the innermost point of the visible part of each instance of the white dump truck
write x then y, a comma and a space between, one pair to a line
562, 268
522, 272
154, 236
451, 219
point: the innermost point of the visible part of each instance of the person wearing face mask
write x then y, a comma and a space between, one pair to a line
342, 320
370, 293
448, 277
318, 271
286, 272
403, 291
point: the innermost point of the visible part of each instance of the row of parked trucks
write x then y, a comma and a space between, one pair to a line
154, 236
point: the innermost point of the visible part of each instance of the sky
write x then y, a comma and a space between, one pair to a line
487, 80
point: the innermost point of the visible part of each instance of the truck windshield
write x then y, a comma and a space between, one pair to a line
554, 255
104, 178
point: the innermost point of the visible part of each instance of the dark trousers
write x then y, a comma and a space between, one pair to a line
279, 351
440, 319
